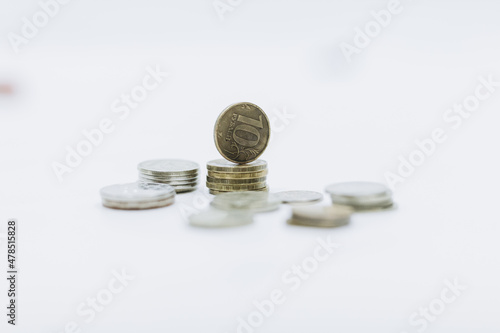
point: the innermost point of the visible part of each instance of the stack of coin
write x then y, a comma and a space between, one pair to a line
241, 135
137, 195
321, 216
224, 176
361, 195
180, 174
251, 202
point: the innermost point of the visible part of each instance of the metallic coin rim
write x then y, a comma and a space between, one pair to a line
327, 213
237, 175
319, 223
386, 193
165, 172
173, 178
217, 123
167, 192
300, 201
237, 181
137, 205
220, 187
237, 168
172, 183
215, 192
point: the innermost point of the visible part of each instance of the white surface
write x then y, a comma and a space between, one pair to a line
352, 120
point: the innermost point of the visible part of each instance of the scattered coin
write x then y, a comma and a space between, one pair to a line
248, 201
137, 195
214, 218
181, 174
321, 216
242, 132
361, 195
299, 197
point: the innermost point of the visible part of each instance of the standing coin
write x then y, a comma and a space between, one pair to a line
242, 132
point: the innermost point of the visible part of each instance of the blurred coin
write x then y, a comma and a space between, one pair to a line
242, 132
222, 165
299, 197
361, 195
215, 192
137, 205
214, 218
253, 201
321, 216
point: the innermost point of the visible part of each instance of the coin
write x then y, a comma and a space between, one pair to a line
299, 197
137, 205
361, 195
224, 187
242, 132
188, 181
215, 192
214, 218
237, 175
222, 165
235, 181
171, 167
134, 192
321, 216
252, 201
137, 195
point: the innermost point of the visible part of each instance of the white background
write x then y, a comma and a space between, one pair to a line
352, 121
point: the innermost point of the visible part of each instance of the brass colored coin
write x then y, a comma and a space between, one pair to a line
215, 192
247, 187
242, 132
235, 181
222, 165
237, 175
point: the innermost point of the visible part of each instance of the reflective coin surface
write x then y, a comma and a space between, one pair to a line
361, 195
225, 166
171, 166
299, 197
242, 132
137, 192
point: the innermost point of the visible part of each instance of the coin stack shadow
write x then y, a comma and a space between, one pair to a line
224, 176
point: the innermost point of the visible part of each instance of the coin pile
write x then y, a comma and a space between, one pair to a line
321, 216
361, 195
224, 176
137, 195
241, 135
180, 174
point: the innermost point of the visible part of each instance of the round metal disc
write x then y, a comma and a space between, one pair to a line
242, 132
364, 195
137, 192
222, 165
251, 201
299, 197
168, 166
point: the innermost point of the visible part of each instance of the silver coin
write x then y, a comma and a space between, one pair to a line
189, 177
138, 204
299, 197
250, 201
361, 195
184, 189
168, 166
137, 192
186, 182
214, 218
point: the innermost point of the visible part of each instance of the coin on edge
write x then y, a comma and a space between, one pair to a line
242, 132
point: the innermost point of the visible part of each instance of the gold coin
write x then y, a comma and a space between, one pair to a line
215, 192
237, 175
222, 165
235, 181
224, 187
242, 132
